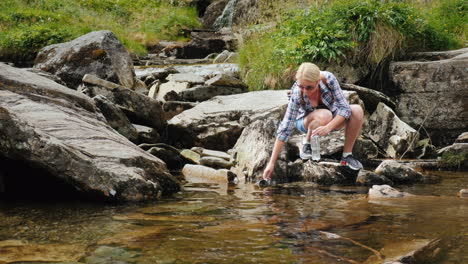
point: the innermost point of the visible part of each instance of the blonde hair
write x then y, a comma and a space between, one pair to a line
308, 71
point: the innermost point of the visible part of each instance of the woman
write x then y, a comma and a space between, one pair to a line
316, 107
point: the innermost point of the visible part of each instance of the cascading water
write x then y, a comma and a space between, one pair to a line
225, 19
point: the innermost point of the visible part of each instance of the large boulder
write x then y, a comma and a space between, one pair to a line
98, 53
398, 173
454, 156
434, 94
390, 133
213, 11
59, 130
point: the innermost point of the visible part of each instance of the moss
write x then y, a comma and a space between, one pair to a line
453, 160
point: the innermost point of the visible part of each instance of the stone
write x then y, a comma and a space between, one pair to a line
215, 162
462, 138
414, 251
171, 86
203, 43
391, 134
398, 173
424, 82
61, 131
14, 251
116, 118
191, 156
365, 149
347, 73
233, 57
93, 79
214, 153
371, 98
140, 87
327, 173
98, 53
48, 75
221, 57
147, 135
455, 156
330, 144
199, 173
203, 93
190, 78
139, 108
385, 191
169, 155
213, 11
173, 108
463, 193
154, 89
225, 80
436, 55
368, 178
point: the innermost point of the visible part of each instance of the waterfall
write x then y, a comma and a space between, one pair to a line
225, 19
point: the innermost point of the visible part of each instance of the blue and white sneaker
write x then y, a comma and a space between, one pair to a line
306, 151
351, 162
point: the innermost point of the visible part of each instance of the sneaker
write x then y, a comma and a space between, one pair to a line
351, 162
306, 151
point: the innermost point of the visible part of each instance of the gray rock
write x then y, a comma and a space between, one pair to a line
200, 173
463, 193
93, 79
455, 155
60, 131
436, 55
139, 108
225, 80
169, 155
233, 57
48, 75
398, 173
253, 150
203, 93
173, 108
221, 57
203, 43
98, 53
390, 133
190, 78
147, 135
215, 162
368, 178
462, 138
422, 83
171, 86
213, 11
385, 191
329, 145
191, 156
116, 118
327, 173
154, 89
371, 98
218, 122
365, 149
214, 153
413, 251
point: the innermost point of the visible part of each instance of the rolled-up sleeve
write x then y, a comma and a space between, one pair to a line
287, 125
341, 103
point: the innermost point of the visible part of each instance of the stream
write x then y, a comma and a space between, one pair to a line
210, 223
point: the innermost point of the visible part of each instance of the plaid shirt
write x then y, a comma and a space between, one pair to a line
332, 97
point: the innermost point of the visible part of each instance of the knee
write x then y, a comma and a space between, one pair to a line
324, 117
357, 112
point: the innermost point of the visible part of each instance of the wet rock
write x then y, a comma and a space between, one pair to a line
171, 86
371, 98
385, 191
390, 133
61, 131
368, 178
14, 251
116, 118
154, 89
463, 193
462, 138
398, 173
203, 43
424, 82
216, 123
327, 173
147, 134
199, 173
225, 80
454, 156
170, 155
134, 239
98, 53
414, 251
191, 156
215, 162
139, 108
173, 108
203, 93
213, 11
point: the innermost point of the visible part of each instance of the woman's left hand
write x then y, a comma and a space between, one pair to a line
321, 131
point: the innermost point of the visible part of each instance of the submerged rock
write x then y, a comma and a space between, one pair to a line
98, 52
385, 191
414, 251
14, 251
60, 131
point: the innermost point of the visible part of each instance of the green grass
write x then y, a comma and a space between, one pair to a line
26, 26
354, 32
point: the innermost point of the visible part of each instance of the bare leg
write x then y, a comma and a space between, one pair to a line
353, 126
319, 117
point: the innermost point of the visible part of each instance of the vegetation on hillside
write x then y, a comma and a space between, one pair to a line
26, 26
355, 32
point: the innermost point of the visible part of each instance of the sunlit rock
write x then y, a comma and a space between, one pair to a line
199, 173
398, 173
414, 251
191, 156
368, 178
385, 191
13, 251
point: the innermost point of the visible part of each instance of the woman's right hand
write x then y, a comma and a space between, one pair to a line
268, 171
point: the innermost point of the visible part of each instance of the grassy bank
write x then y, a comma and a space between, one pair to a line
354, 32
28, 25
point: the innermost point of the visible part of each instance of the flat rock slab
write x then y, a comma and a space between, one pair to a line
73, 143
171, 86
13, 251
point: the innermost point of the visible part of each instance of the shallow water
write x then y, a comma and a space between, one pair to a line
239, 224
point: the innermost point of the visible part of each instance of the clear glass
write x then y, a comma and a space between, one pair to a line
315, 144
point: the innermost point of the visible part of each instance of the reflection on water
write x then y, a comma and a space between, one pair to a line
239, 224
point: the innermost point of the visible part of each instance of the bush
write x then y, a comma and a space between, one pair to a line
28, 25
355, 32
